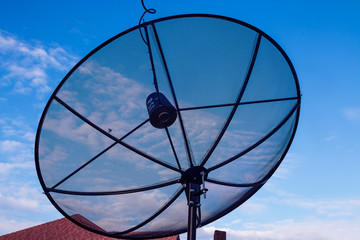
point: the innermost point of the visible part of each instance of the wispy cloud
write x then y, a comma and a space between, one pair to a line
20, 197
328, 207
325, 208
16, 142
330, 137
351, 113
26, 66
20, 202
325, 219
9, 145
15, 128
117, 213
11, 225
20, 194
291, 229
5, 168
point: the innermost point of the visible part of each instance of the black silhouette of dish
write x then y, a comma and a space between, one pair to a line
230, 113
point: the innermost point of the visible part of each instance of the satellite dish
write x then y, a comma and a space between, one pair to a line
146, 125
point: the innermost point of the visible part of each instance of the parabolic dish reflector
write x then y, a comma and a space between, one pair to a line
236, 100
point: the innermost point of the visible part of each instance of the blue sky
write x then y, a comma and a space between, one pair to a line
313, 194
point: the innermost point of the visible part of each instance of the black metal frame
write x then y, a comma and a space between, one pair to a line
232, 113
254, 186
163, 61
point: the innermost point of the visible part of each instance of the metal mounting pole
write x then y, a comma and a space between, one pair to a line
193, 203
192, 179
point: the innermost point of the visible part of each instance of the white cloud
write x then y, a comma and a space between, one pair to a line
330, 137
328, 207
174, 216
253, 208
286, 168
7, 42
115, 213
29, 136
26, 65
285, 216
27, 68
17, 128
5, 168
325, 208
19, 203
20, 198
105, 97
16, 142
311, 229
110, 89
352, 113
68, 126
15, 152
8, 225
10, 146
16, 146
22, 205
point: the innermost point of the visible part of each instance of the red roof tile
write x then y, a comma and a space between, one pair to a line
61, 229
